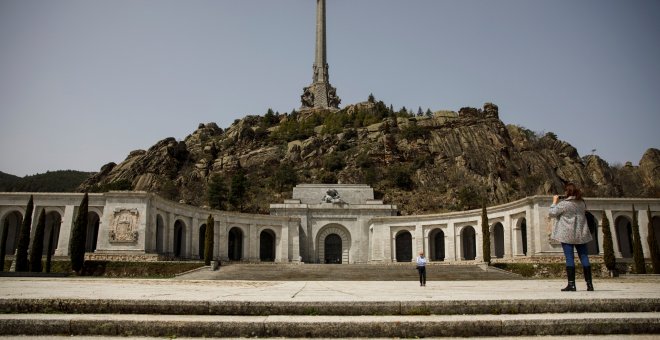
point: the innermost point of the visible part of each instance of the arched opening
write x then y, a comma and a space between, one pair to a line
623, 229
160, 235
498, 240
267, 246
179, 228
52, 232
202, 241
592, 246
93, 221
437, 245
333, 249
523, 235
10, 225
469, 243
403, 247
655, 222
235, 246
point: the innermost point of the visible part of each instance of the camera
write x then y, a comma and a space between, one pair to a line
562, 197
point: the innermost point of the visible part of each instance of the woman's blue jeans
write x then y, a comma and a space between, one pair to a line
582, 253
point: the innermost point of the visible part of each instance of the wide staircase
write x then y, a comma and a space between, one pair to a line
247, 315
347, 272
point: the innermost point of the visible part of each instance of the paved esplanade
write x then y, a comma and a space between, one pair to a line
322, 291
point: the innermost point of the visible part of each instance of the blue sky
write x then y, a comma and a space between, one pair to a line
83, 83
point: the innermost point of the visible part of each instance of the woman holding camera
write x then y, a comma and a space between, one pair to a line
572, 230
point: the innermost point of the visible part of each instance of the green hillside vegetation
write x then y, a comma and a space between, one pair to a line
51, 181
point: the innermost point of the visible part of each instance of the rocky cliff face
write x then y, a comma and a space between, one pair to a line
432, 163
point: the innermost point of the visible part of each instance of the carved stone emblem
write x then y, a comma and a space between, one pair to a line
124, 226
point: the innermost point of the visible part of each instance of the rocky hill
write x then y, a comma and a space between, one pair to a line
424, 163
51, 181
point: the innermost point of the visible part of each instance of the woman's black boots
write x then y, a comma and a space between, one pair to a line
587, 277
570, 273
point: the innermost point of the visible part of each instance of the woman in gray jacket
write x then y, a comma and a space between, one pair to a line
572, 230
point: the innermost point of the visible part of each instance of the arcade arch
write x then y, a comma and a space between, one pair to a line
235, 244
267, 245
202, 241
624, 239
333, 244
52, 232
179, 238
592, 246
498, 240
93, 221
11, 223
437, 245
160, 234
403, 244
469, 243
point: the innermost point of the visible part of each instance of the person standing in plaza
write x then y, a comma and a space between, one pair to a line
572, 230
421, 268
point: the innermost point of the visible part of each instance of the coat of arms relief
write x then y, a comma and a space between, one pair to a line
124, 226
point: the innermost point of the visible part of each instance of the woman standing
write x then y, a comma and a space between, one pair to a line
572, 230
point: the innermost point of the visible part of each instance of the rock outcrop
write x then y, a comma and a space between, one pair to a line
436, 162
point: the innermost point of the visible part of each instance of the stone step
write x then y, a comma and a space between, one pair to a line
329, 326
348, 272
337, 308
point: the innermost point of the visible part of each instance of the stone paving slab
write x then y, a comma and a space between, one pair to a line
330, 326
255, 291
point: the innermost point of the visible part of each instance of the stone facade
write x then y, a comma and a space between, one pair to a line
320, 224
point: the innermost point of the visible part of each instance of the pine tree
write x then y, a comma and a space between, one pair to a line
38, 244
485, 230
208, 240
217, 192
653, 243
22, 264
3, 246
608, 246
238, 190
638, 253
79, 236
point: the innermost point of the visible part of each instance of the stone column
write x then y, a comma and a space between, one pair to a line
65, 231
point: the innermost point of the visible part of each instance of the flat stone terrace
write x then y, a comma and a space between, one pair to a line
241, 308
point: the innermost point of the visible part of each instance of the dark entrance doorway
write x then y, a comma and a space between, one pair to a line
403, 247
178, 238
469, 240
202, 241
437, 245
332, 249
235, 246
624, 236
267, 246
498, 240
592, 246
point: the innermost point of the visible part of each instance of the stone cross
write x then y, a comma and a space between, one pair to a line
320, 94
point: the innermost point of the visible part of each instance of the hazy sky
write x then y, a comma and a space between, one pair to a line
84, 82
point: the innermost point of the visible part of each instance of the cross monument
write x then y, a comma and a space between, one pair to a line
320, 94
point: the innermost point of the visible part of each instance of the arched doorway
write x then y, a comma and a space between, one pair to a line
202, 241
339, 248
623, 229
523, 235
10, 225
592, 246
469, 243
160, 234
179, 228
267, 246
235, 244
403, 242
437, 245
332, 252
498, 240
52, 232
93, 221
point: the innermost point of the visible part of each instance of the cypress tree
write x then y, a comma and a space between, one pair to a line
653, 243
49, 256
38, 244
485, 230
22, 264
208, 240
638, 253
3, 246
79, 236
608, 246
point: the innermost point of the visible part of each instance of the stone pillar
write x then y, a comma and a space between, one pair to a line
250, 242
168, 241
193, 243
